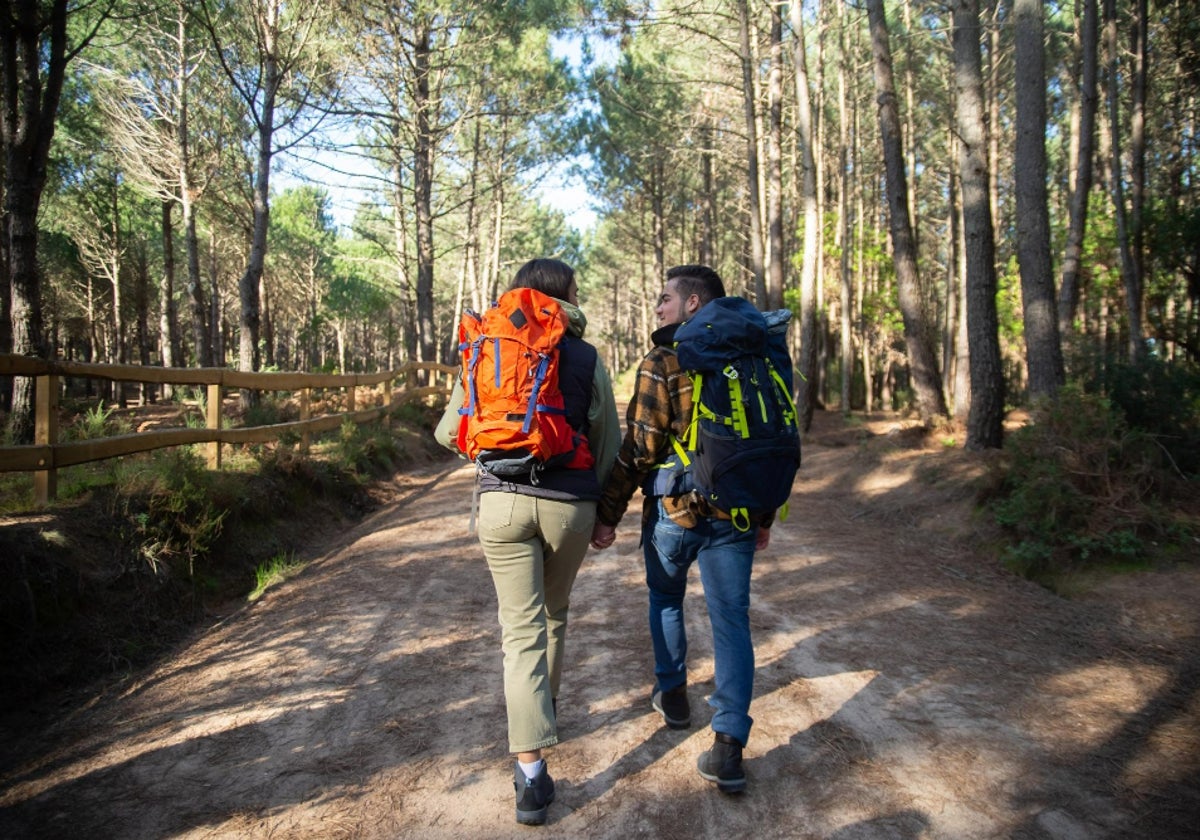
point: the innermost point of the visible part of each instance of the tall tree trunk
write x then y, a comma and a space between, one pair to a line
167, 328
985, 421
340, 331
250, 284
910, 128
1084, 149
6, 382
774, 274
708, 223
268, 327
33, 59
951, 325
1129, 275
404, 288
918, 335
962, 340
216, 316
115, 250
806, 385
205, 324
1043, 349
817, 107
496, 239
658, 214
844, 220
1137, 156
470, 284
141, 302
993, 93
423, 188
750, 108
860, 238
201, 329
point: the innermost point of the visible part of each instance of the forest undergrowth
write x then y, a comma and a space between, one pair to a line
1104, 478
139, 552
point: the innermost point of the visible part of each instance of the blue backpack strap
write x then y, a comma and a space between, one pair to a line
539, 379
472, 391
497, 354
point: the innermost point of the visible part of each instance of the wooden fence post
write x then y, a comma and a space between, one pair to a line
387, 405
305, 414
45, 433
212, 420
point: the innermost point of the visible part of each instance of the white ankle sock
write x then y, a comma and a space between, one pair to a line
532, 769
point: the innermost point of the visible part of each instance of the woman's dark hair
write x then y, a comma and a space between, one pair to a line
551, 277
699, 280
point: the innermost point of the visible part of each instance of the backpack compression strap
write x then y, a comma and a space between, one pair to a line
741, 515
538, 382
469, 378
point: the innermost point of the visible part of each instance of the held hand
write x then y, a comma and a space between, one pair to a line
603, 535
761, 539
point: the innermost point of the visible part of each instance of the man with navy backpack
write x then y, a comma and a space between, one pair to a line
681, 527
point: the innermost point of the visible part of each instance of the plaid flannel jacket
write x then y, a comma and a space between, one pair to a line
661, 406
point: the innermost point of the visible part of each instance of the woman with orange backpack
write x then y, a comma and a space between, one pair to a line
537, 500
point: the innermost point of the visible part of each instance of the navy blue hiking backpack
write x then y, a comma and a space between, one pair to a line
742, 446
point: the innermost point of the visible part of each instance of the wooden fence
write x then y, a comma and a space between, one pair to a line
47, 454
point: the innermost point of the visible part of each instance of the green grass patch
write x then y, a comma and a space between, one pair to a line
274, 571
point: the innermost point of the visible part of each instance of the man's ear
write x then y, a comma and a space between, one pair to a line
693, 304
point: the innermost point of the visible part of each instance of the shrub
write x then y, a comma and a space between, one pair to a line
95, 423
165, 503
1083, 487
1162, 400
266, 412
367, 449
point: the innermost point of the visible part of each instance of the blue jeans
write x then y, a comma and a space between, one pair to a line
726, 557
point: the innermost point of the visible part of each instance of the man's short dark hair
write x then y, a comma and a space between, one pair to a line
551, 277
699, 280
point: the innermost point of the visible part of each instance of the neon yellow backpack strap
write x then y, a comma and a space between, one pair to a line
690, 435
737, 410
790, 414
741, 518
681, 452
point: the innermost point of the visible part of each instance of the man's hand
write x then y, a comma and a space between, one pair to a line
761, 539
603, 535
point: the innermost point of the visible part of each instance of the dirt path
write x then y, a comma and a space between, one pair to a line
906, 688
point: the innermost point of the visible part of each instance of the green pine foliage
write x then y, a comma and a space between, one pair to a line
1092, 481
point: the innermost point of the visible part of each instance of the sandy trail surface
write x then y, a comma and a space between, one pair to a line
906, 688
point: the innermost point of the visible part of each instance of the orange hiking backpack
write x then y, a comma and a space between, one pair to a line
513, 418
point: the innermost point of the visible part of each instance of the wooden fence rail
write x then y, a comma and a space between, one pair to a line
47, 454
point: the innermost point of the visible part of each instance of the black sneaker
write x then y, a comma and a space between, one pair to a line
723, 764
673, 706
534, 796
